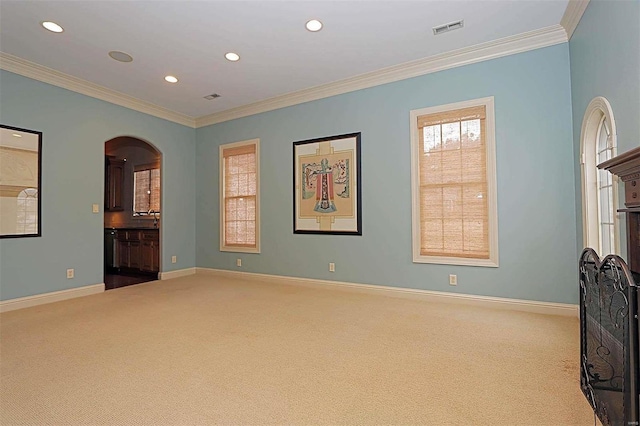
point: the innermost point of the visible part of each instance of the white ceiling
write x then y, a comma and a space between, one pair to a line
188, 39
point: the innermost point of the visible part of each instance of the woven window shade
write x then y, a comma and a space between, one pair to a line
146, 186
240, 196
454, 209
141, 186
154, 199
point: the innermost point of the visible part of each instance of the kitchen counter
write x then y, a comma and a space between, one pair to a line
131, 228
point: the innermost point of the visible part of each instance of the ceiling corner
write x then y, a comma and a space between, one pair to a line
572, 15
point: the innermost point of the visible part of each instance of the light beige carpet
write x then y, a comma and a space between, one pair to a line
200, 350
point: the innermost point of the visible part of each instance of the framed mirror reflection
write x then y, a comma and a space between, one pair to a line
20, 182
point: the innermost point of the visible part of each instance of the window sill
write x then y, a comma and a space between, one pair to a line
240, 249
488, 263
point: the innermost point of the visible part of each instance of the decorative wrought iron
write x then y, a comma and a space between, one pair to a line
609, 339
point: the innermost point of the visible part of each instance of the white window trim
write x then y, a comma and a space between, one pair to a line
598, 108
233, 249
491, 185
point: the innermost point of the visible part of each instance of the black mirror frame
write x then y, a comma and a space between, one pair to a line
39, 232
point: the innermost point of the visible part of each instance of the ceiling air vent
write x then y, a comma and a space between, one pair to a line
448, 27
212, 96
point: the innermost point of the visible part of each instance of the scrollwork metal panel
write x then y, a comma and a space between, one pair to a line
609, 338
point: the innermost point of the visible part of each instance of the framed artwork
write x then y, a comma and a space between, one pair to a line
327, 195
20, 182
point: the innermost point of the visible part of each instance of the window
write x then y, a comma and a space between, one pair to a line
146, 189
454, 184
605, 190
599, 187
240, 197
27, 213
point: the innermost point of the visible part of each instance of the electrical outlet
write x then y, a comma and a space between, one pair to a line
174, 259
238, 262
95, 208
332, 267
70, 273
453, 280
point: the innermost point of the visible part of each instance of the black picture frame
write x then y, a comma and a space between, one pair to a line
16, 181
327, 189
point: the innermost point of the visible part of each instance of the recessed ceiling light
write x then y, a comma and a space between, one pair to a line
314, 25
15, 135
233, 57
171, 79
120, 56
52, 26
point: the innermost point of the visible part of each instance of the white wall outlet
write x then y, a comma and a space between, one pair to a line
70, 273
453, 280
174, 259
332, 267
95, 208
238, 262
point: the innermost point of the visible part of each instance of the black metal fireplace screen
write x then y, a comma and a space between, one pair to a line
609, 339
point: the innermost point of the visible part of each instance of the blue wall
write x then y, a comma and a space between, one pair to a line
536, 182
605, 61
75, 128
536, 193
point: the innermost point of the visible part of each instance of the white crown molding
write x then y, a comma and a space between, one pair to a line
519, 43
524, 42
56, 296
38, 72
546, 308
572, 15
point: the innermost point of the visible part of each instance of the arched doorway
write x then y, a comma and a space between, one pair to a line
132, 212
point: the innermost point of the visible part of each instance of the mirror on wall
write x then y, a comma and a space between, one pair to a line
20, 179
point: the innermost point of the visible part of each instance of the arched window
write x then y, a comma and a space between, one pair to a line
599, 187
27, 222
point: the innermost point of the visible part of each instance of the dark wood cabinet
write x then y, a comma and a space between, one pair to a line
149, 251
134, 255
114, 182
129, 249
627, 167
123, 254
138, 250
129, 254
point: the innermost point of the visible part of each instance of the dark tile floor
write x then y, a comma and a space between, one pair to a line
112, 281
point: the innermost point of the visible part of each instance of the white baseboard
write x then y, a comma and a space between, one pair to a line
176, 274
56, 296
547, 308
